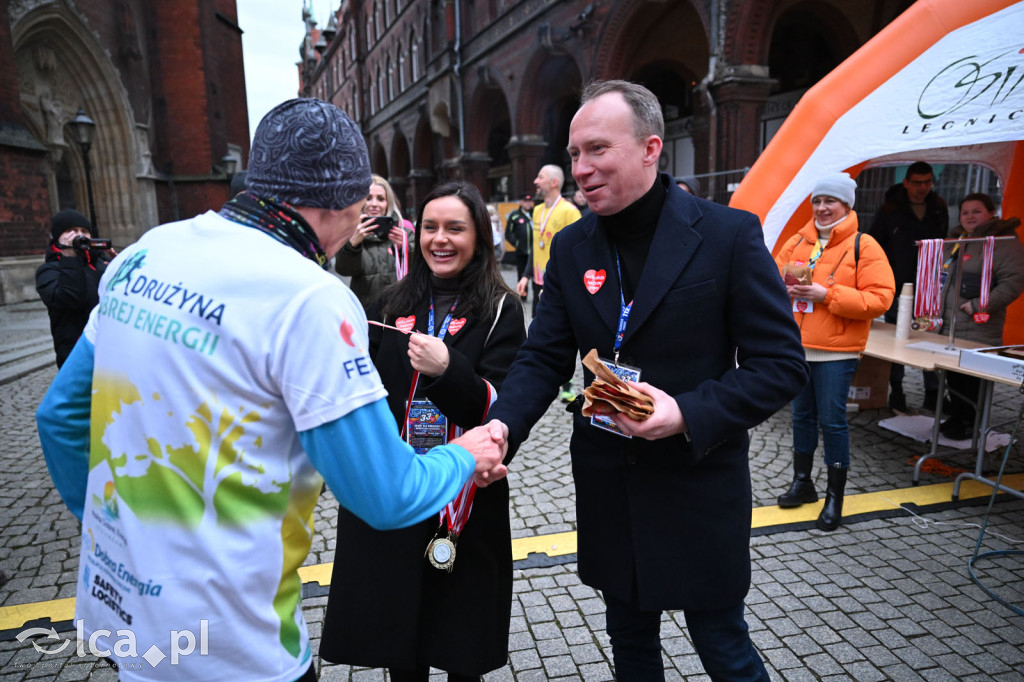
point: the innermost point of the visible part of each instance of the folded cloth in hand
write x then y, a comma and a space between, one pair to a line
608, 394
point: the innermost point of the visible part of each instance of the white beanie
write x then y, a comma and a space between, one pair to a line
838, 185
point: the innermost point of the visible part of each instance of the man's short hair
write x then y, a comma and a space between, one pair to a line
647, 117
557, 173
919, 168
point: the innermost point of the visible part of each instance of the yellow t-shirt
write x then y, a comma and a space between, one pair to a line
546, 224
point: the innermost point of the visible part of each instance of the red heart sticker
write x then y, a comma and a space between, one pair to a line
967, 256
456, 325
406, 324
980, 318
594, 280
801, 306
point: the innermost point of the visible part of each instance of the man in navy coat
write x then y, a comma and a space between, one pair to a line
685, 291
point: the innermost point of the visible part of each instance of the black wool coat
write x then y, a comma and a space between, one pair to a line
665, 524
388, 607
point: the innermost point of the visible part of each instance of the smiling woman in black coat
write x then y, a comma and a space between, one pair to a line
388, 606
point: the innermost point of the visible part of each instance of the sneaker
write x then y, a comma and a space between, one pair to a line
566, 396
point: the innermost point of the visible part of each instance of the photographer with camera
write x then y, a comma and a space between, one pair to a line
68, 282
377, 254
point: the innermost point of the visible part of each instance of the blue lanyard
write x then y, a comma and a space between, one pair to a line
444, 323
624, 311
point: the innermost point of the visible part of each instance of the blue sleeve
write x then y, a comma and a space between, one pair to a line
63, 423
376, 475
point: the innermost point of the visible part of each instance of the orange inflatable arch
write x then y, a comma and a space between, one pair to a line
774, 180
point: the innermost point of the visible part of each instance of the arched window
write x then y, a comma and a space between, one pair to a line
380, 87
380, 20
391, 80
414, 49
401, 68
437, 32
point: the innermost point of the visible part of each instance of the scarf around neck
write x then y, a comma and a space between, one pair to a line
278, 219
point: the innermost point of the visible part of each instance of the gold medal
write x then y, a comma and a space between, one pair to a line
441, 553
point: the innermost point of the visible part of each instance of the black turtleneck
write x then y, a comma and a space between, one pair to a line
631, 232
444, 292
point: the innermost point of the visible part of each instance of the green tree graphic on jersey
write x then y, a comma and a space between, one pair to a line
196, 471
200, 473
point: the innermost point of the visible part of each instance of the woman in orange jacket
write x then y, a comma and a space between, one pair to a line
839, 281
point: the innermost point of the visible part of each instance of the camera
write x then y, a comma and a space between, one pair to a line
384, 224
83, 243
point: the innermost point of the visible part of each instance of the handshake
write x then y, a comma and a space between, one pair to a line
488, 445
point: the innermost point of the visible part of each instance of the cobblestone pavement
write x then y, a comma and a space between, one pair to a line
888, 596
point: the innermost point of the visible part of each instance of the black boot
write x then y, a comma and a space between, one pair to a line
897, 399
801, 491
931, 397
832, 513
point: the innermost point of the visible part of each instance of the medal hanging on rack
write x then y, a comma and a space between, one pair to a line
928, 291
987, 258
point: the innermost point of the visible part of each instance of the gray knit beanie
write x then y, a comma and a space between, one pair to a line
307, 152
838, 185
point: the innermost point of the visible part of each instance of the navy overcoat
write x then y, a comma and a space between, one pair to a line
666, 523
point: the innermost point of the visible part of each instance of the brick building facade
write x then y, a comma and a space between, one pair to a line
485, 89
164, 84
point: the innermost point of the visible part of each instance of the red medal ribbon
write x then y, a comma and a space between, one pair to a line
988, 254
927, 299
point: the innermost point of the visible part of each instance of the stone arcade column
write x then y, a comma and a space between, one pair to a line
421, 181
475, 166
525, 152
740, 93
400, 184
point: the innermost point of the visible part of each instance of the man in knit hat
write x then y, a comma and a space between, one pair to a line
69, 280
224, 370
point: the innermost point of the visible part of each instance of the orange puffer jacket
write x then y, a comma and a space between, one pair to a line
858, 290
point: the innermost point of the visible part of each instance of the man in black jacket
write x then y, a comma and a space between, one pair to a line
684, 291
519, 233
68, 282
911, 212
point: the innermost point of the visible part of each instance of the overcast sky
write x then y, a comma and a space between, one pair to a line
272, 31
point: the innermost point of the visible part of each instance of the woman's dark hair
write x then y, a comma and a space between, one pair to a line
480, 283
985, 200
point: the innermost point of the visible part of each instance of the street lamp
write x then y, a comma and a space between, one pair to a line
229, 164
82, 129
